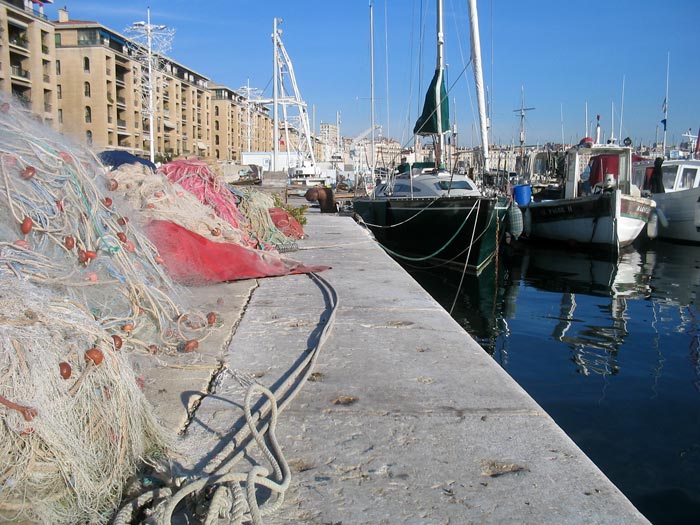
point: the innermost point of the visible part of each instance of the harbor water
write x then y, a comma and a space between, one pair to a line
611, 350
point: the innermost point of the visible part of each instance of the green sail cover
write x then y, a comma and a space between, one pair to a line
427, 122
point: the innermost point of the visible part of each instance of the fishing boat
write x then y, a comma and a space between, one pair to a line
430, 216
677, 206
596, 205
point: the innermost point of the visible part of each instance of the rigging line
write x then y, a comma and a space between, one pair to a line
447, 94
410, 75
439, 250
466, 262
481, 234
399, 223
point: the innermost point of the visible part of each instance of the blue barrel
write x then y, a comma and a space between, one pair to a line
522, 194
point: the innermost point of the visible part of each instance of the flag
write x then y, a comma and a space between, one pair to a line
664, 123
663, 106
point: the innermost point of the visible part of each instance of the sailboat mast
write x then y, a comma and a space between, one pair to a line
479, 79
371, 60
440, 67
665, 108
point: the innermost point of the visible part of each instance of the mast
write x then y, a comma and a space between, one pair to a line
275, 96
665, 105
440, 66
371, 60
479, 79
622, 106
522, 111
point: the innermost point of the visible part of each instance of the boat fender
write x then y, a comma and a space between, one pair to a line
527, 222
515, 221
663, 220
653, 225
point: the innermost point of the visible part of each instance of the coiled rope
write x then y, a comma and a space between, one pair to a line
229, 499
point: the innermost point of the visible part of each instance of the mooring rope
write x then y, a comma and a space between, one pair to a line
476, 206
229, 499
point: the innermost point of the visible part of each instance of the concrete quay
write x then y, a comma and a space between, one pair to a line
406, 420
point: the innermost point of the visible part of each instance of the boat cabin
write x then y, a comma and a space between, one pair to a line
595, 168
678, 175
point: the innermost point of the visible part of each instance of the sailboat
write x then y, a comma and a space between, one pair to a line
429, 216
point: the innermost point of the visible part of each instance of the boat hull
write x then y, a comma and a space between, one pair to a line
609, 220
429, 231
681, 212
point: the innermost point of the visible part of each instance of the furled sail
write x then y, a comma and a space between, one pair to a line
430, 122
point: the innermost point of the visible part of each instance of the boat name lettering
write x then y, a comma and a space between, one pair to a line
558, 210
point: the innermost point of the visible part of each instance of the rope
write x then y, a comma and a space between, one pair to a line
444, 246
380, 226
260, 430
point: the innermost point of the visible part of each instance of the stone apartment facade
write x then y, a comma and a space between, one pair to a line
86, 80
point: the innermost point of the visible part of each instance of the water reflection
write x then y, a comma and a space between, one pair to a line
611, 349
486, 305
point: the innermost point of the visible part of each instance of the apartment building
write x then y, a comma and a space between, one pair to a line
331, 148
238, 124
27, 58
88, 81
100, 85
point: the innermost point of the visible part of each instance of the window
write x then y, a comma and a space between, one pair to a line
86, 89
688, 178
59, 92
86, 64
216, 111
455, 185
216, 125
669, 176
88, 114
216, 140
57, 39
58, 67
60, 116
88, 137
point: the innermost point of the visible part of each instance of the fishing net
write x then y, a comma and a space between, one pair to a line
82, 290
155, 197
79, 429
256, 206
196, 177
75, 277
67, 226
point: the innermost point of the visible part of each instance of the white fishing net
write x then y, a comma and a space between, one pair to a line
76, 279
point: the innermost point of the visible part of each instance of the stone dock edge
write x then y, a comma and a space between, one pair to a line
407, 419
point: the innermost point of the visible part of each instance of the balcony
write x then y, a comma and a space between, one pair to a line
48, 108
121, 124
20, 42
18, 72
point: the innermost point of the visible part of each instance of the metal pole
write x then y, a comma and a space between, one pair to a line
151, 102
371, 47
249, 123
275, 95
479, 80
668, 61
438, 93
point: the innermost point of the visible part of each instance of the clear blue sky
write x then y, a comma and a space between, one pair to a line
564, 53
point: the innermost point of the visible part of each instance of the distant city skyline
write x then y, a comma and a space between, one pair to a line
565, 56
